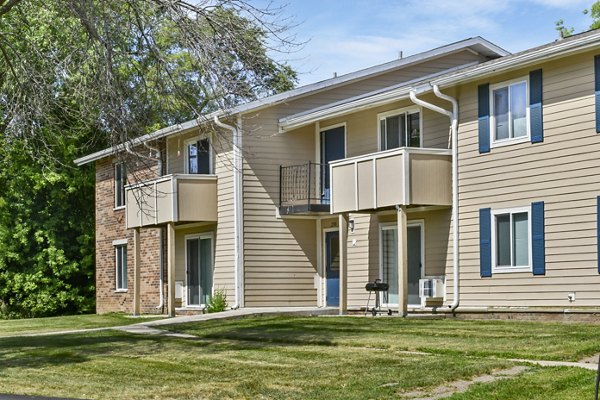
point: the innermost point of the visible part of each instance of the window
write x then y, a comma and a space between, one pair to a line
199, 261
510, 111
120, 180
388, 250
511, 239
121, 266
400, 129
198, 156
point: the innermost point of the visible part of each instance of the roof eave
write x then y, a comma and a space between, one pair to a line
559, 50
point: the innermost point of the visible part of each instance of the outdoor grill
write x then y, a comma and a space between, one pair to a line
376, 287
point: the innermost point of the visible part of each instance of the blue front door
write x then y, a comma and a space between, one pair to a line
333, 147
332, 270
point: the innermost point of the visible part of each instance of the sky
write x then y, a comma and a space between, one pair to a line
343, 36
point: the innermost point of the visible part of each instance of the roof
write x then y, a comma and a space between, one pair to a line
557, 49
477, 44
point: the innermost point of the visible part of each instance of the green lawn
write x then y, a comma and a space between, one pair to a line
504, 339
300, 358
11, 327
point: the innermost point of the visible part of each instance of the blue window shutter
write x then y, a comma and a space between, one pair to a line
538, 251
597, 90
598, 229
485, 242
483, 117
536, 125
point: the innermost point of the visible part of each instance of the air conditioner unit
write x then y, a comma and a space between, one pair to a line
431, 291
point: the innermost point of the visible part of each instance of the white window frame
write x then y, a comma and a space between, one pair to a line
509, 141
118, 245
204, 235
393, 113
193, 140
504, 268
385, 226
122, 165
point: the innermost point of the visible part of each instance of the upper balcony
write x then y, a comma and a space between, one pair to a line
303, 189
172, 198
403, 176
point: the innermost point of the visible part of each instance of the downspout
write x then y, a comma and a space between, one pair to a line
237, 199
159, 165
454, 132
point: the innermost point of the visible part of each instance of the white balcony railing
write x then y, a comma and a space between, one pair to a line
172, 198
404, 176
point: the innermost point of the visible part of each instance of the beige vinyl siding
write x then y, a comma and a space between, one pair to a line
279, 255
363, 256
383, 81
562, 171
224, 260
362, 128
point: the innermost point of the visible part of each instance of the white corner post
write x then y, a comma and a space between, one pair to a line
343, 254
171, 268
136, 271
402, 261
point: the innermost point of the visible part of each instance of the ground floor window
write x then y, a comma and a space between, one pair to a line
389, 261
121, 266
199, 263
511, 239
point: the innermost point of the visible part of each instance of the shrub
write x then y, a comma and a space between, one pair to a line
217, 302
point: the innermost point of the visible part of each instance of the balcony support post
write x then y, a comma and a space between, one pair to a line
402, 261
171, 268
136, 271
343, 229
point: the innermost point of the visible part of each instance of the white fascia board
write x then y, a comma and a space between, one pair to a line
363, 101
554, 51
170, 130
478, 44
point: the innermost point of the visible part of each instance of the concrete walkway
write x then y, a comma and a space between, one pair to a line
148, 327
145, 327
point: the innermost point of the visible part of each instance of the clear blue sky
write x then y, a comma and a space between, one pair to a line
347, 35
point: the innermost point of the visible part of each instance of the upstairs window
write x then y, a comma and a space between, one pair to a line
120, 180
400, 128
198, 156
509, 112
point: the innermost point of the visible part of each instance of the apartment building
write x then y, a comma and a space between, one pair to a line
301, 198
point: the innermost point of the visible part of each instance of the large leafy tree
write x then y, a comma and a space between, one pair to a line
79, 75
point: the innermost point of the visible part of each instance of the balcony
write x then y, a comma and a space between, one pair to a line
404, 176
303, 189
172, 198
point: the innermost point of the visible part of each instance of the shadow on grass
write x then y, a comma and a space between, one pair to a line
56, 350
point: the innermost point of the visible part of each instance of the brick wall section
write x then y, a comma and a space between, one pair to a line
110, 226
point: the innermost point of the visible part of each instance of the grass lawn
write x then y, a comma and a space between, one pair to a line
300, 358
12, 327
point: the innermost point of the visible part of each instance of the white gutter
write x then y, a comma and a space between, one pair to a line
237, 206
559, 49
361, 102
454, 130
161, 302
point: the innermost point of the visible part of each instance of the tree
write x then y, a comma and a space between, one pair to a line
125, 67
593, 11
80, 75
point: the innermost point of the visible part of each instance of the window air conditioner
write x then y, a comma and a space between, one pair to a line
431, 289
